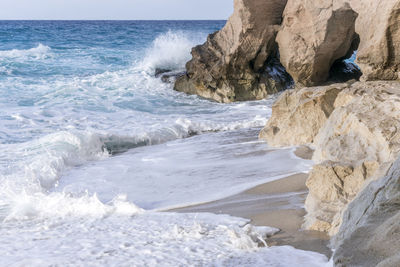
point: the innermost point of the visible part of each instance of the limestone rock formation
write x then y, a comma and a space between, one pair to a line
298, 115
370, 232
314, 35
378, 26
332, 186
358, 143
365, 122
354, 130
232, 64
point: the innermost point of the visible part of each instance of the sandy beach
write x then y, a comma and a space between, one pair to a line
278, 204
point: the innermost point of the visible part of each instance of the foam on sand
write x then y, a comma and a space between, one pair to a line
146, 239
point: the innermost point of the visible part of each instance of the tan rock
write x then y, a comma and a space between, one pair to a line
370, 232
298, 115
233, 64
354, 130
364, 125
378, 26
331, 187
358, 143
314, 34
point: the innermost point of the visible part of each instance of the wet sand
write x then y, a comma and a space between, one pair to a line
278, 204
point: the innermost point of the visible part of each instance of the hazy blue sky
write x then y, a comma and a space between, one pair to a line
115, 9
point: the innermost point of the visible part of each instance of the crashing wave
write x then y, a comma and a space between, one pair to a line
170, 51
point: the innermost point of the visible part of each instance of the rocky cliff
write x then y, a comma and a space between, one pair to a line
239, 62
354, 131
266, 43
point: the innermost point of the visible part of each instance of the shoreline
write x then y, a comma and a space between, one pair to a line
278, 204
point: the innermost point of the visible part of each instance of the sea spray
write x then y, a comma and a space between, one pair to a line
171, 51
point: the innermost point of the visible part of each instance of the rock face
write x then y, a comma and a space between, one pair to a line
378, 26
313, 36
302, 112
242, 61
358, 143
370, 232
354, 130
232, 65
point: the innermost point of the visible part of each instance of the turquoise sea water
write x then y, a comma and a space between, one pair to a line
93, 147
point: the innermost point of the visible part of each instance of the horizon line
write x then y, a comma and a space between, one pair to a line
112, 19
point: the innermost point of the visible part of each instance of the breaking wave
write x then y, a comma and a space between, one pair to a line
170, 51
37, 53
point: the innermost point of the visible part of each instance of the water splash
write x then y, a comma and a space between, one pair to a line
170, 51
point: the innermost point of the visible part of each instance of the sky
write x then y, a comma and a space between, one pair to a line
115, 9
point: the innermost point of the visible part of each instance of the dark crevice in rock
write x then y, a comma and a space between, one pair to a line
276, 73
167, 75
345, 69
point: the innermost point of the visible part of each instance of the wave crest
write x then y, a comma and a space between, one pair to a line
37, 53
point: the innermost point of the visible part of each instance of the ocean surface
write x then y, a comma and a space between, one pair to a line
94, 149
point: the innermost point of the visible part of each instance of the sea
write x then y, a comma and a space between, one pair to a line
95, 151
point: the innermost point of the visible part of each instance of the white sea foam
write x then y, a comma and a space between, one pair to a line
146, 239
163, 176
29, 170
38, 165
170, 51
37, 53
59, 205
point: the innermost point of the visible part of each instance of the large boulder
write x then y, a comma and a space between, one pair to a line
314, 34
370, 232
378, 26
233, 63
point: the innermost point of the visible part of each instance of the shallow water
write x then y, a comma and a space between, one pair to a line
94, 146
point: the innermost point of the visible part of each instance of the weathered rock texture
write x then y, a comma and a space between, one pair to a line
378, 26
298, 115
370, 232
232, 64
358, 143
354, 130
314, 34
